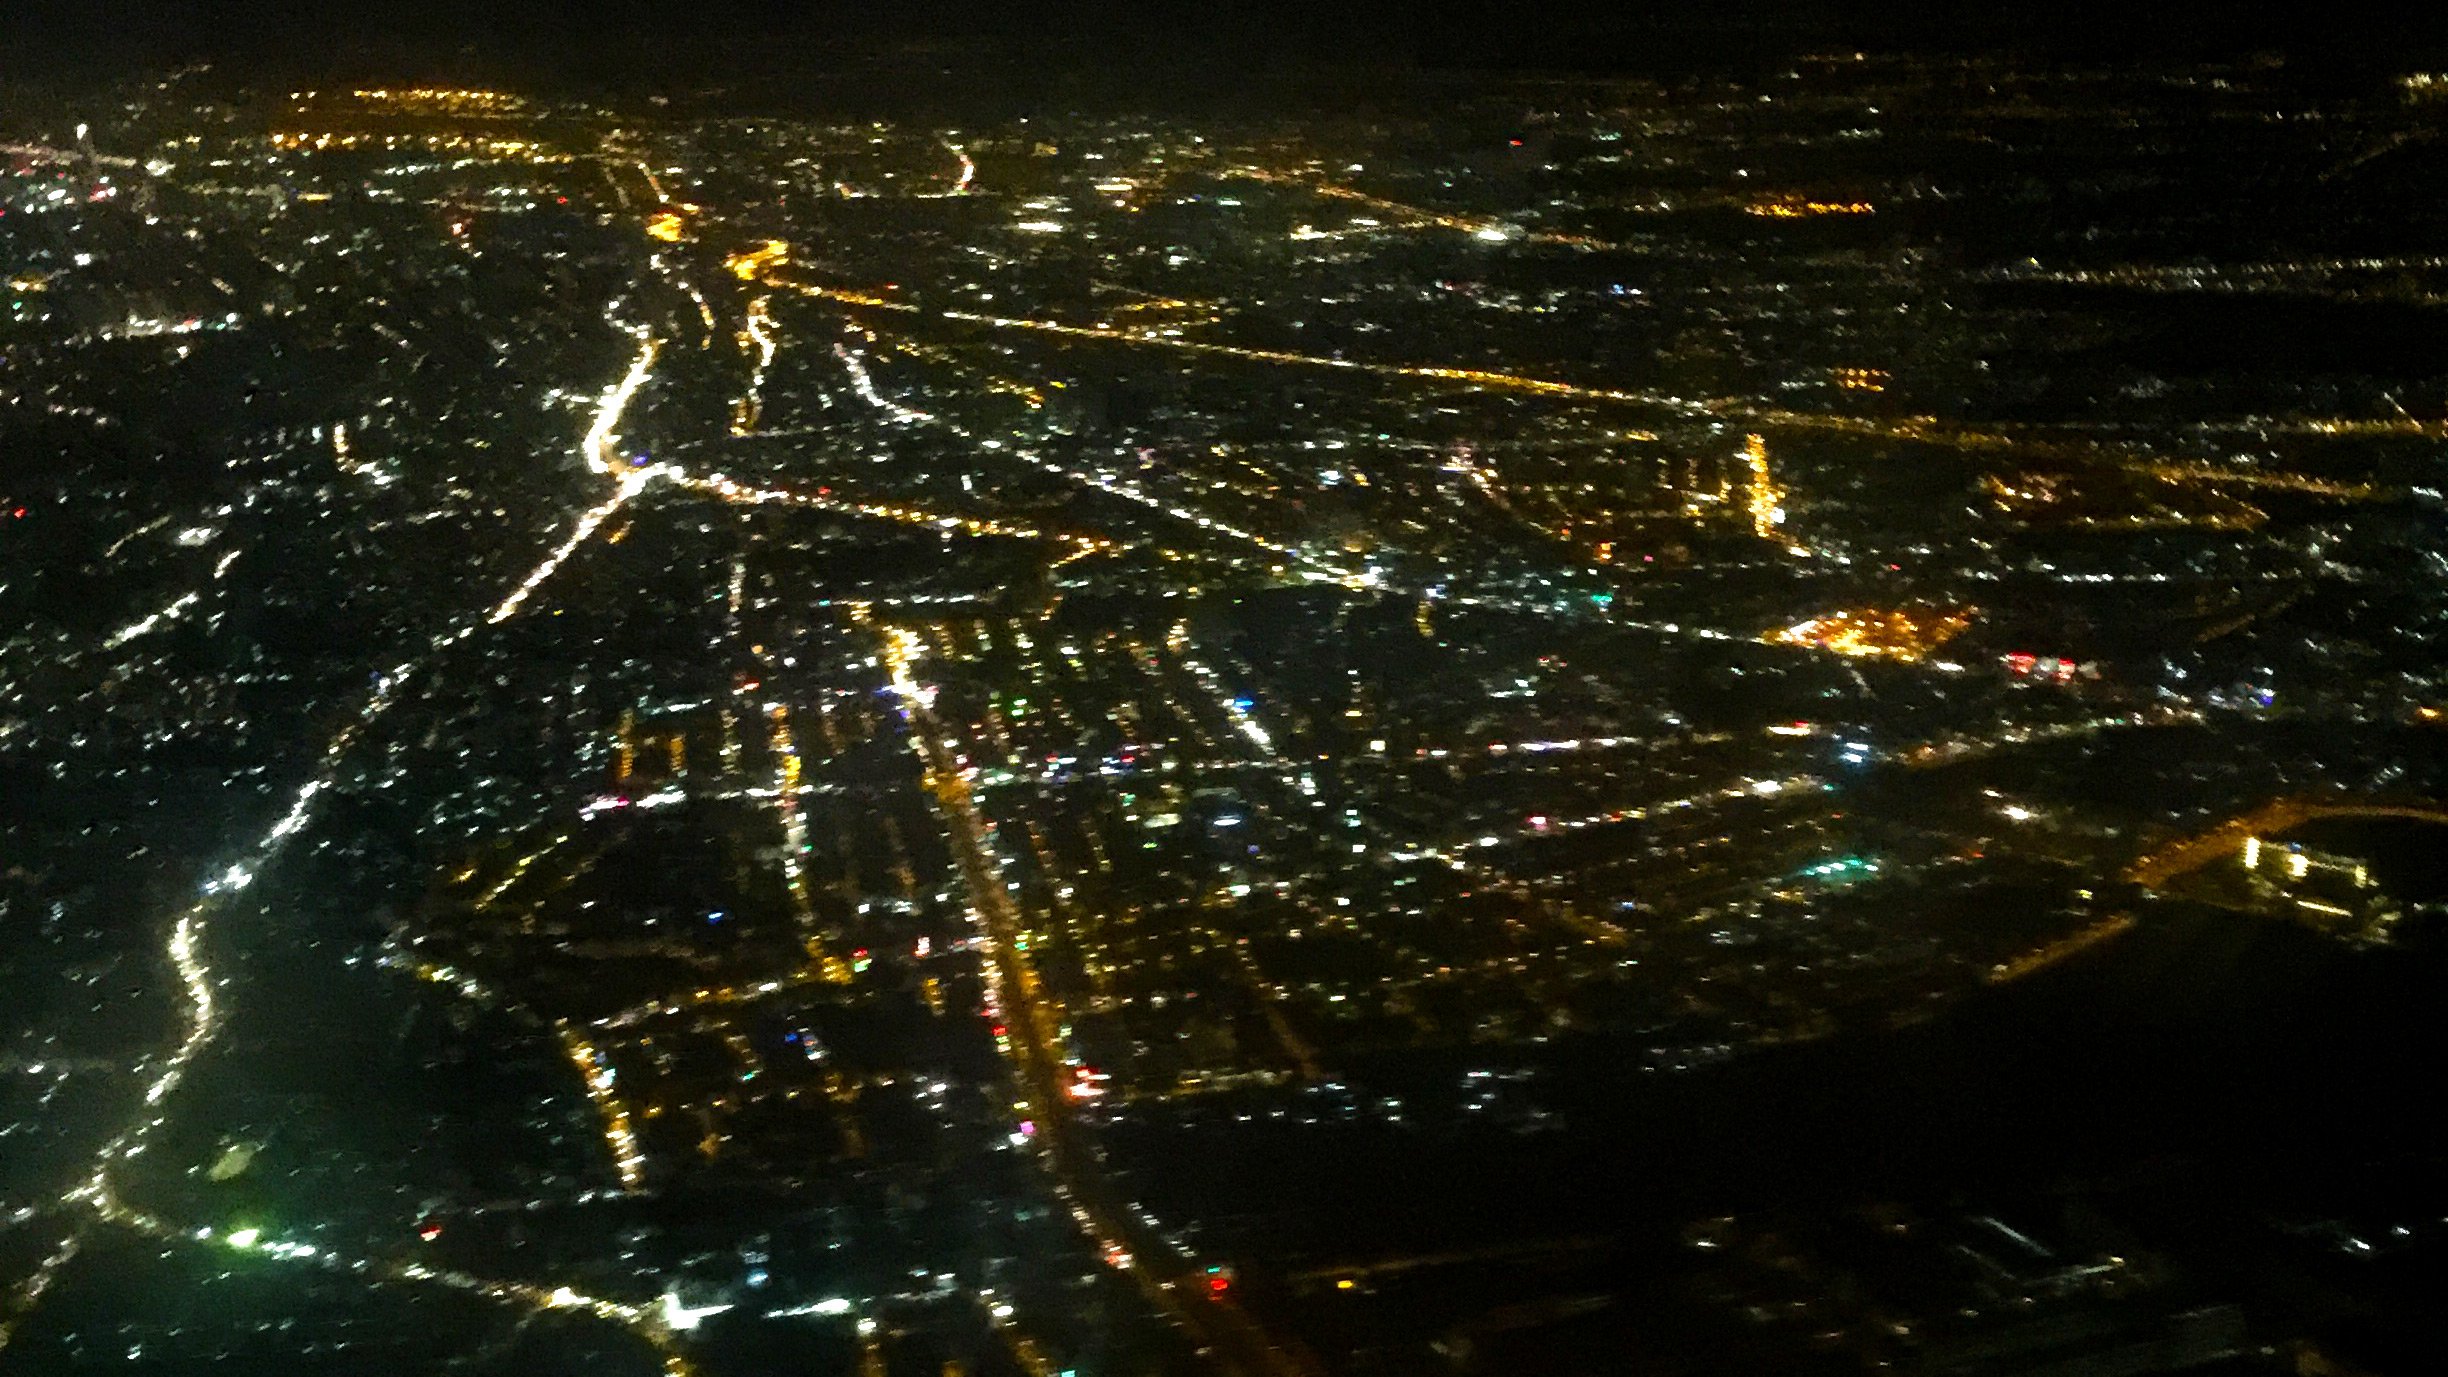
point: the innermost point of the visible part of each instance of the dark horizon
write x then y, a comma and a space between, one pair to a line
1106, 43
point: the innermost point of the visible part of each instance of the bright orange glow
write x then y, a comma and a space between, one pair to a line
1904, 636
1799, 207
745, 266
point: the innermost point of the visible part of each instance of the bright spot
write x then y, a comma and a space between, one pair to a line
685, 1317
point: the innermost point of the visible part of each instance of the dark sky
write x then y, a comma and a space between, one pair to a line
680, 42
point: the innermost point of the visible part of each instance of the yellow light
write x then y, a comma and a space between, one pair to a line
745, 266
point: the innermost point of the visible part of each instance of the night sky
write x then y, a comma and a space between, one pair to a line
621, 41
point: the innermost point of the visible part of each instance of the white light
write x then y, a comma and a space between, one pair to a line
676, 1315
833, 1305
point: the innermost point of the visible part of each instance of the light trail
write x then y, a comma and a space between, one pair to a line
631, 484
1150, 338
458, 982
1484, 227
1457, 855
517, 872
968, 170
45, 153
1029, 1041
1926, 429
601, 454
719, 997
147, 625
785, 750
864, 384
647, 1322
705, 314
1127, 491
758, 330
201, 1016
2042, 957
1956, 750
1242, 719
601, 1082
730, 490
1574, 744
1766, 502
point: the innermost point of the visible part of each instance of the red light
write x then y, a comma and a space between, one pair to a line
1000, 1030
1219, 1285
429, 1232
1517, 143
18, 513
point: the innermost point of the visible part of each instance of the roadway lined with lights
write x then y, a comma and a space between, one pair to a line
1150, 338
201, 1014
1030, 1043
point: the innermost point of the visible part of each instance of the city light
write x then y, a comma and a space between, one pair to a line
1262, 674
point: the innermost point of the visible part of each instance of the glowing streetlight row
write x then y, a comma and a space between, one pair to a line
1478, 377
601, 1082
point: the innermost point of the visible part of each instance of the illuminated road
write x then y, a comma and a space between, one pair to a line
1150, 338
1923, 429
1173, 1283
201, 1012
1484, 227
757, 331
